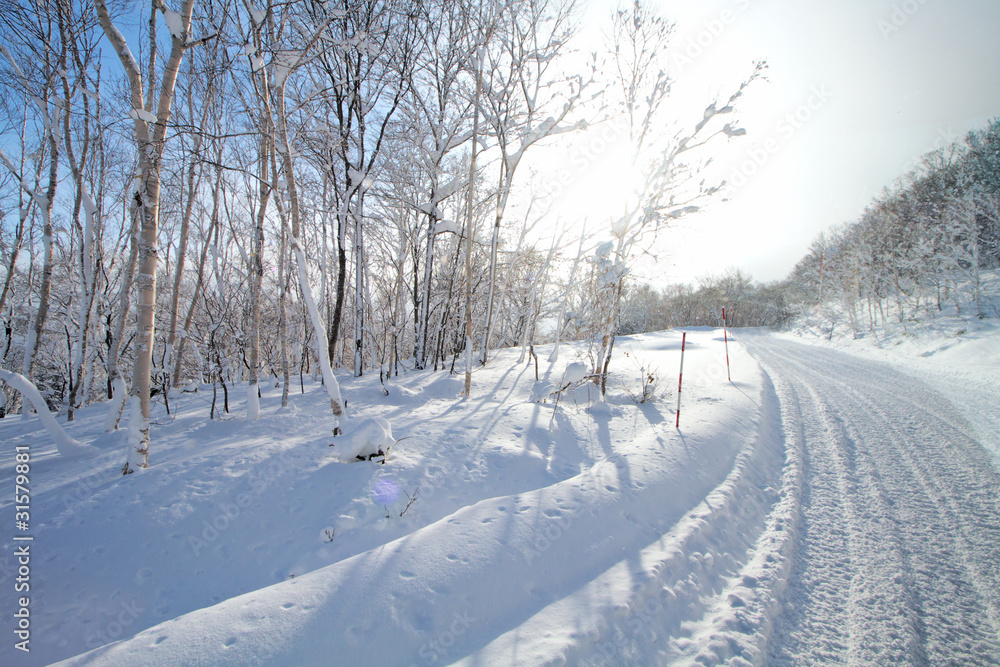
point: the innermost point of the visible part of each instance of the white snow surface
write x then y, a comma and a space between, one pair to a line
142, 114
175, 23
823, 508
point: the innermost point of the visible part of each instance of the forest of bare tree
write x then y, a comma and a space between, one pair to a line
208, 195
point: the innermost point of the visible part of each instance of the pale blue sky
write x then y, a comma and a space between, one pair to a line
875, 83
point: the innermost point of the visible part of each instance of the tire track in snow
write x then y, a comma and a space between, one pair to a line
884, 623
947, 505
917, 494
739, 620
823, 520
960, 542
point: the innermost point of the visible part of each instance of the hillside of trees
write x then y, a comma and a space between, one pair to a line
924, 243
748, 303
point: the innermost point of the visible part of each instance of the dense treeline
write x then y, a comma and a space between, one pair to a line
922, 244
229, 194
747, 304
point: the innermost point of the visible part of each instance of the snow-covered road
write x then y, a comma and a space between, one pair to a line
897, 558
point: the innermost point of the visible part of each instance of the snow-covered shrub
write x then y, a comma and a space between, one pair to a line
366, 440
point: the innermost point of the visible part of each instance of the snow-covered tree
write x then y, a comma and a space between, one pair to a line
670, 153
150, 120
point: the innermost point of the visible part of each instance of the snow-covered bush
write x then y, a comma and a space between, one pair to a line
366, 440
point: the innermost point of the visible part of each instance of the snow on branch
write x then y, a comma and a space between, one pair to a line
36, 196
65, 444
117, 40
142, 114
175, 22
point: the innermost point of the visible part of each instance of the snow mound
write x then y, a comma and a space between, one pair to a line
601, 409
541, 391
369, 438
575, 372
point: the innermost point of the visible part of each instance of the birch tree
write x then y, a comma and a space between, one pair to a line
41, 97
73, 33
365, 64
150, 129
271, 94
440, 116
210, 108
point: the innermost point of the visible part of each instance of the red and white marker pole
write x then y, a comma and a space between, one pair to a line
725, 337
680, 380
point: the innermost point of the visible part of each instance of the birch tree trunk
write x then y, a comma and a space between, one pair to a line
116, 385
200, 278
283, 317
470, 231
150, 134
359, 291
91, 224
424, 309
494, 246
44, 204
288, 170
256, 278
15, 251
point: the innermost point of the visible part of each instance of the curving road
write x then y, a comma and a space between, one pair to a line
897, 555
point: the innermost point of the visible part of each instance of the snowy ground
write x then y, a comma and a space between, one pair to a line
830, 509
